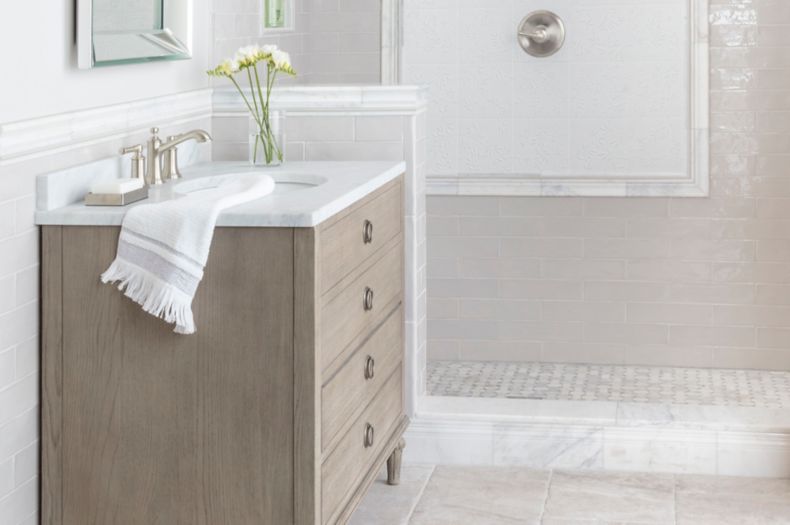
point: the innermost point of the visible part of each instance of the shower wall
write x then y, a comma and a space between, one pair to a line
701, 282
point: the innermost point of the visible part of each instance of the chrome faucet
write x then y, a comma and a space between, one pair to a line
158, 150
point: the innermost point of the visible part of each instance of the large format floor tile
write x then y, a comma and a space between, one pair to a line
508, 495
610, 497
392, 505
482, 496
707, 500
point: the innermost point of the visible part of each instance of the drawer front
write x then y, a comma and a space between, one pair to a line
347, 243
361, 306
352, 388
357, 450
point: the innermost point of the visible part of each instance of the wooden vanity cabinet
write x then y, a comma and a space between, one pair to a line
282, 408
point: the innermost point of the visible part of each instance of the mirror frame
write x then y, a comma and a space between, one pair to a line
178, 19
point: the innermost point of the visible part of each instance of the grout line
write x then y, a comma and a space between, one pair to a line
419, 495
548, 495
675, 499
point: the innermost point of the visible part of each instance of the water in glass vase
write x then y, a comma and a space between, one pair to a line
275, 13
267, 142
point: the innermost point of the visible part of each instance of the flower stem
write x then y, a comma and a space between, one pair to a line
243, 96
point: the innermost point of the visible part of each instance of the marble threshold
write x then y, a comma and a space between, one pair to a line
601, 435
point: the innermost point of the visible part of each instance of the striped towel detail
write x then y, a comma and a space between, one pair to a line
163, 247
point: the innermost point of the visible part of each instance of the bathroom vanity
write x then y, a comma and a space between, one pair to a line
285, 404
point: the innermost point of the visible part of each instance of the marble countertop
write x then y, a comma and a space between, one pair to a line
306, 194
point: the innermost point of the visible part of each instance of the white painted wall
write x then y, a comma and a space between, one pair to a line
39, 73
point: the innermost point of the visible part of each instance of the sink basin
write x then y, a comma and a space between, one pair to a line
284, 182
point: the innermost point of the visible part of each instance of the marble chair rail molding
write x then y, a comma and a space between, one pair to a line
28, 139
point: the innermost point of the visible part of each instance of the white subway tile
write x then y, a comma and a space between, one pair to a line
499, 350
462, 206
6, 477
583, 311
500, 267
499, 309
460, 288
443, 308
18, 325
19, 432
27, 285
627, 333
7, 293
576, 269
18, 252
535, 289
25, 208
26, 464
20, 504
7, 219
27, 357
360, 151
7, 367
723, 336
670, 313
378, 129
18, 398
626, 248
313, 129
540, 247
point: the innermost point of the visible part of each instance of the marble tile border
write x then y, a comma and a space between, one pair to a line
40, 137
600, 436
320, 100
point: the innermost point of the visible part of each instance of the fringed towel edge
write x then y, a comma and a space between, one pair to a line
155, 296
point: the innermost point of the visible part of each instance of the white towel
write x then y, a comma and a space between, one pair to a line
163, 247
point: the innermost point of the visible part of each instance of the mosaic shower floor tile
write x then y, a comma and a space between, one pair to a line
639, 384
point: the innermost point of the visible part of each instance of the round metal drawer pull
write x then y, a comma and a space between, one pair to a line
367, 232
541, 33
368, 301
369, 434
370, 364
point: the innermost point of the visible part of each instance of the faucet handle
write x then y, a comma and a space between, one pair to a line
138, 160
137, 150
170, 161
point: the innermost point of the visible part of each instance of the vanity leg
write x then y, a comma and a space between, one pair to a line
393, 463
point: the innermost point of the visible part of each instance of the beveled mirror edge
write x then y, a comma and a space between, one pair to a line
178, 18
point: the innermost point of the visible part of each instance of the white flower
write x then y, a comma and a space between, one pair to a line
268, 49
226, 69
248, 55
281, 59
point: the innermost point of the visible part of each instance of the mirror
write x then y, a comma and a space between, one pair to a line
112, 32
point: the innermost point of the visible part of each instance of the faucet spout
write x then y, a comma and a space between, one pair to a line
157, 148
198, 135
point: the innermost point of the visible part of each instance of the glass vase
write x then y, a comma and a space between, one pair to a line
267, 142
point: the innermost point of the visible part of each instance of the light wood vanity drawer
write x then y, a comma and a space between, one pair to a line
357, 450
350, 390
349, 241
361, 305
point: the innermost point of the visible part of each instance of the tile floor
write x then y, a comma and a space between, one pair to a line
639, 384
511, 495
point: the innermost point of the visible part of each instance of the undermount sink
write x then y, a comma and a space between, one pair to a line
284, 182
